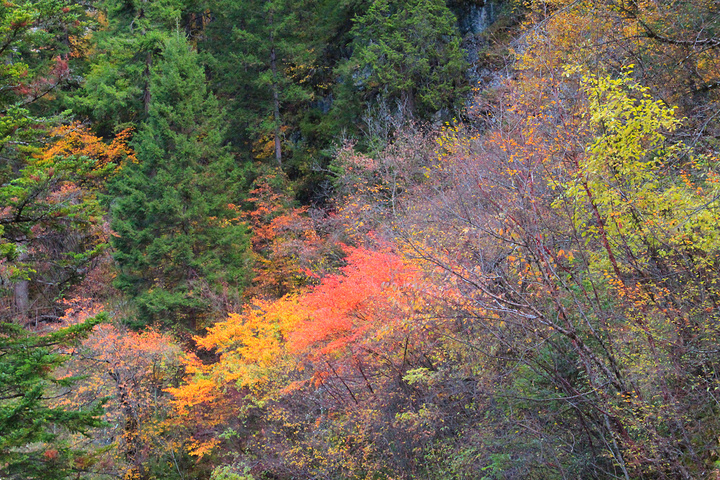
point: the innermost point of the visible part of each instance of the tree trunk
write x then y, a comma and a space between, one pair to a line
276, 96
21, 291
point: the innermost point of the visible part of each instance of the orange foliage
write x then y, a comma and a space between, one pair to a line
679, 57
76, 139
130, 369
284, 237
251, 349
372, 288
262, 347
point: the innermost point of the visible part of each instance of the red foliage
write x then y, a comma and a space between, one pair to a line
285, 240
373, 288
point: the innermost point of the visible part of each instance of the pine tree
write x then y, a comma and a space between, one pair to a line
264, 66
176, 233
30, 447
46, 224
407, 52
116, 89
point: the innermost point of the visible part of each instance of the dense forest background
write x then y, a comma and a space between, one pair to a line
359, 239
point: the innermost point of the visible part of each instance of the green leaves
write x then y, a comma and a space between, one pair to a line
410, 52
651, 192
176, 235
263, 68
45, 202
29, 422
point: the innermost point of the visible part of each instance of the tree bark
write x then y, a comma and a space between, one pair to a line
21, 291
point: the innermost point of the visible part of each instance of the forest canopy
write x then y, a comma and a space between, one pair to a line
359, 239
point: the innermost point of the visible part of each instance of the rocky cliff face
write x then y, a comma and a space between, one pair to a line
475, 19
475, 16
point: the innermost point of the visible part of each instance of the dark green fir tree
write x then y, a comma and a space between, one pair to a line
180, 250
264, 51
406, 54
116, 90
33, 428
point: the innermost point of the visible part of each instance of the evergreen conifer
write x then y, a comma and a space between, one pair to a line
407, 52
176, 231
31, 442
